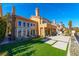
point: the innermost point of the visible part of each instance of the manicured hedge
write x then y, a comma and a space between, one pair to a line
2, 29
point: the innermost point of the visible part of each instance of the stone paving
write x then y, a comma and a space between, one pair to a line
60, 45
59, 42
50, 42
60, 38
74, 47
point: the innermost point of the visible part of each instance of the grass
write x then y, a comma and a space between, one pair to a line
34, 47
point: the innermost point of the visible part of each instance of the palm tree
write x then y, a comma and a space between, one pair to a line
70, 24
13, 17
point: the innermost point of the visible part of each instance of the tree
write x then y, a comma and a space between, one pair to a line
13, 17
2, 28
8, 28
5, 26
70, 24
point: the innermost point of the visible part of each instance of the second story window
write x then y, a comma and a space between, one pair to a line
27, 24
19, 23
31, 24
24, 24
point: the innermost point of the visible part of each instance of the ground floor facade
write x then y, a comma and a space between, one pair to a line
25, 33
45, 32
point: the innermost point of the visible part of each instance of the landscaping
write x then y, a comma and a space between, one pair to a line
34, 47
2, 29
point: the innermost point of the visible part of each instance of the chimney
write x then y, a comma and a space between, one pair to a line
54, 21
37, 12
13, 10
0, 10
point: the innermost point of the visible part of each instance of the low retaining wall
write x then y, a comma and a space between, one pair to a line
68, 52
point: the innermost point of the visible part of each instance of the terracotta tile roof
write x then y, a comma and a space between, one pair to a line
23, 18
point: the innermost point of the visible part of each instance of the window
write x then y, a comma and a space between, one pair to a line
27, 24
24, 24
34, 32
31, 32
28, 33
24, 32
19, 23
19, 33
31, 24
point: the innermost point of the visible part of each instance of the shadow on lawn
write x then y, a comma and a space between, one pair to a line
21, 52
20, 48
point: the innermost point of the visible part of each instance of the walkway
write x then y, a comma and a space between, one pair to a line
60, 42
74, 47
5, 41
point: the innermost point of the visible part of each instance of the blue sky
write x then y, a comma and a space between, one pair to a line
58, 11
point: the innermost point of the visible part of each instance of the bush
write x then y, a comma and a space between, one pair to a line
2, 29
67, 32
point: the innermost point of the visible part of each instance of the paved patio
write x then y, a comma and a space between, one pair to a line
60, 38
60, 45
50, 42
59, 42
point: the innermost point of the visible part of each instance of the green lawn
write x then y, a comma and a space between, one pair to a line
34, 47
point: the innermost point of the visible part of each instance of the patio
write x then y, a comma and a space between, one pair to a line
60, 42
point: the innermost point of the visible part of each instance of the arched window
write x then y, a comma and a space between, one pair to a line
24, 24
19, 23
28, 25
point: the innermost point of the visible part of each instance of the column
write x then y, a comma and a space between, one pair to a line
43, 32
17, 32
26, 33
50, 31
21, 32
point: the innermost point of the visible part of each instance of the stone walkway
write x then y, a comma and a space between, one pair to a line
59, 42
5, 41
50, 42
74, 47
60, 45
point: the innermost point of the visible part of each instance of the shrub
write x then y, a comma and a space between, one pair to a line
67, 32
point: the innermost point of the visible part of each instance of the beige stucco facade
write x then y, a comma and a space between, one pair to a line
45, 28
28, 28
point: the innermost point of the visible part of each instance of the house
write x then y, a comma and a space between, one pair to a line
45, 28
22, 27
25, 27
